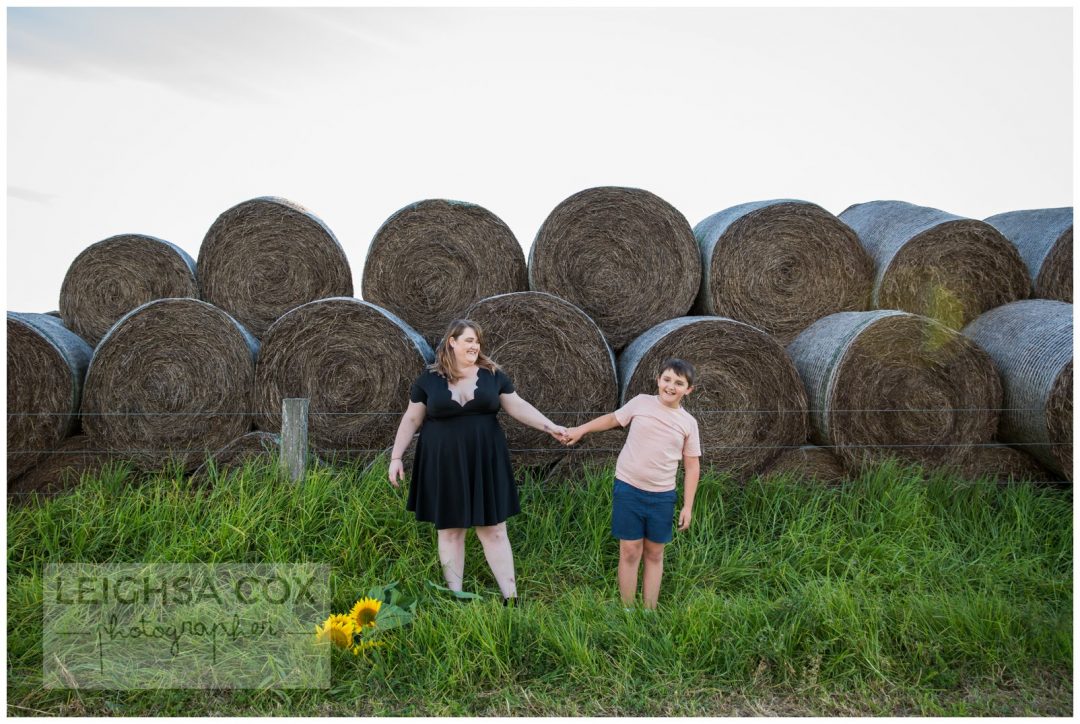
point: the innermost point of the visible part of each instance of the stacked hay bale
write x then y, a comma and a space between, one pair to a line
780, 265
432, 259
807, 462
252, 447
266, 256
170, 382
747, 397
625, 257
1000, 463
558, 361
891, 384
46, 364
353, 360
1030, 342
112, 277
937, 264
61, 470
1044, 238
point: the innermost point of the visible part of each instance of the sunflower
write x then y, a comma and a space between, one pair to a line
364, 613
365, 645
338, 628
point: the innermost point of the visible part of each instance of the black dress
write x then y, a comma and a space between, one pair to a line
461, 474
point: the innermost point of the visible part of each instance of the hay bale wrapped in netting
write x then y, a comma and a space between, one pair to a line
747, 397
46, 364
170, 382
1030, 341
808, 462
432, 259
892, 384
353, 360
626, 257
61, 470
780, 266
1044, 238
265, 256
254, 446
937, 264
558, 361
112, 277
1000, 463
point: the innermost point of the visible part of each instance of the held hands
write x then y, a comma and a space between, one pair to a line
572, 436
397, 471
556, 431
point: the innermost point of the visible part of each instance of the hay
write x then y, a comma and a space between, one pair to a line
354, 361
889, 383
780, 266
112, 277
747, 398
1030, 342
61, 470
936, 264
171, 381
558, 361
254, 446
432, 259
999, 463
46, 364
626, 257
807, 462
1044, 238
266, 256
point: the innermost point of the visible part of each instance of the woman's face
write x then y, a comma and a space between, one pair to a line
466, 347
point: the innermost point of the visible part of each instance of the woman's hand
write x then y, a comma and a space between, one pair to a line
556, 431
573, 435
397, 472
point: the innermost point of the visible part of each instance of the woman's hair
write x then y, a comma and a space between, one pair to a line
445, 364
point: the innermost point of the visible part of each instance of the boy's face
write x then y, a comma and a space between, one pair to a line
671, 387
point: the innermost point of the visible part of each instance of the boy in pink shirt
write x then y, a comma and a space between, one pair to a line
644, 495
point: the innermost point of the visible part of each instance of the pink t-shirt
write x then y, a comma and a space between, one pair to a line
657, 441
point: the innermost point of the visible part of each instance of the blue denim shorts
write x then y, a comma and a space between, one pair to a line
637, 514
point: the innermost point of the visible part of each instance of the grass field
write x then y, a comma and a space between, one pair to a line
894, 594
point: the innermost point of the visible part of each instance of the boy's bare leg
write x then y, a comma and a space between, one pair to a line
629, 560
452, 556
499, 556
654, 571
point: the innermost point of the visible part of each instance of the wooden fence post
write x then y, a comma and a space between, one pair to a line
294, 445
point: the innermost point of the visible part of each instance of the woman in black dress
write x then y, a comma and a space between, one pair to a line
462, 477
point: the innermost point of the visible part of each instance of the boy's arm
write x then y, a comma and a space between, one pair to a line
691, 474
598, 424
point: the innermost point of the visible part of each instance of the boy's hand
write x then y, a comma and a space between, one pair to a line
556, 432
572, 436
684, 518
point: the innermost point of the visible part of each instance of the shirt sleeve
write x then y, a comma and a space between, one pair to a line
692, 446
626, 413
502, 381
417, 393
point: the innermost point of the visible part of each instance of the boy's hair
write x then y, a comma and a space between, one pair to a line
680, 367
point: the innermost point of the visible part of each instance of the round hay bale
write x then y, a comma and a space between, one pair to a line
46, 364
558, 361
112, 277
808, 462
1044, 238
171, 381
626, 257
429, 261
353, 360
780, 265
262, 446
266, 256
937, 264
747, 397
999, 463
891, 384
1030, 342
61, 470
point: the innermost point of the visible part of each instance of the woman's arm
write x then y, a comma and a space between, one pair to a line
526, 414
410, 423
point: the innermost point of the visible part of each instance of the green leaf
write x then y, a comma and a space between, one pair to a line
455, 594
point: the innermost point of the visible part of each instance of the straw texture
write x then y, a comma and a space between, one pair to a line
1044, 238
1030, 342
172, 380
46, 364
266, 256
625, 256
889, 383
112, 277
747, 397
260, 446
1002, 464
937, 264
353, 360
558, 361
807, 462
61, 470
780, 265
432, 259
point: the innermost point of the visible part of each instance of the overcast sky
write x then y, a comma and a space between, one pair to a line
155, 121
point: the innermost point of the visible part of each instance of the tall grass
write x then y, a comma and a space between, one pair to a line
897, 584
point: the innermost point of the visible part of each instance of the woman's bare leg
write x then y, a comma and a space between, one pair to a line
452, 556
499, 556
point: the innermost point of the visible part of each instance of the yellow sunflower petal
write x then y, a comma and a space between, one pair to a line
364, 612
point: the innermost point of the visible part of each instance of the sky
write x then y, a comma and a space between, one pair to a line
154, 121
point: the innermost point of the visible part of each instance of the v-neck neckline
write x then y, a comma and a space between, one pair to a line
476, 387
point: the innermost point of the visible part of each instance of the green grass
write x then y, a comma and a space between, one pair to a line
897, 593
